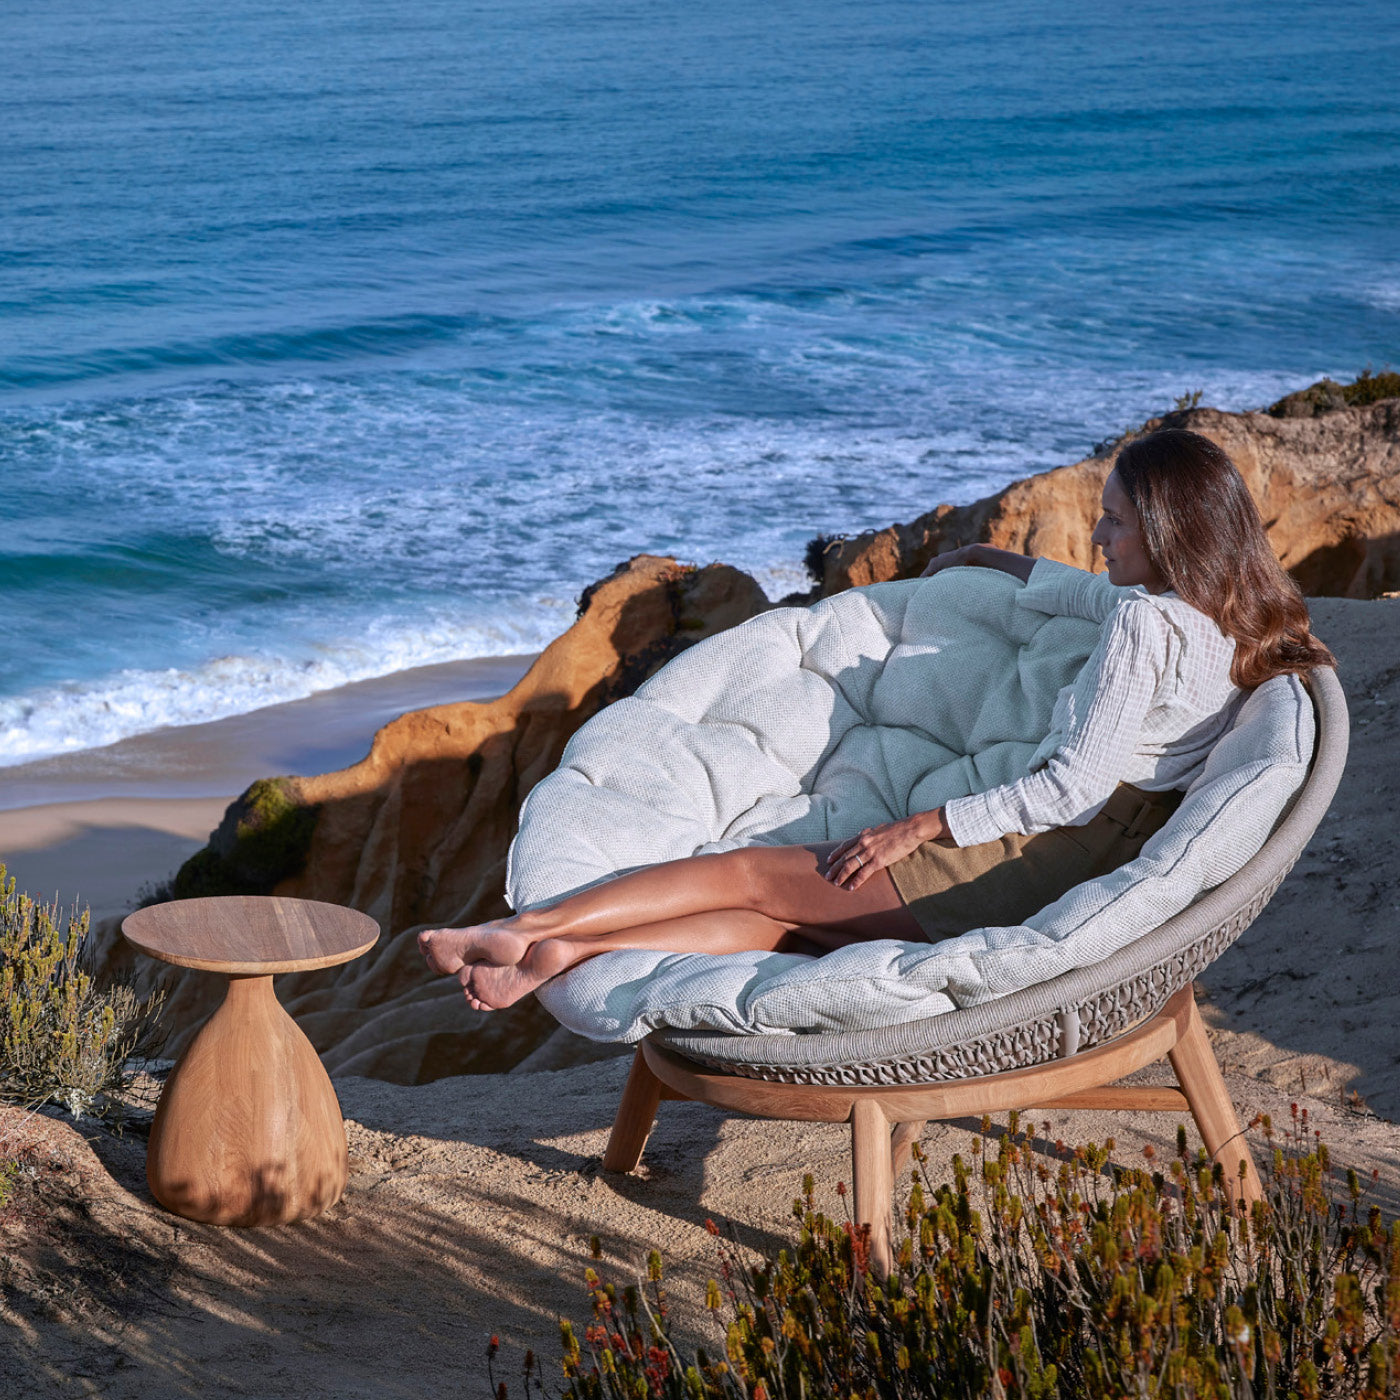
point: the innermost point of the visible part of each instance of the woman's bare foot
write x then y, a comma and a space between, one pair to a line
448, 950
492, 988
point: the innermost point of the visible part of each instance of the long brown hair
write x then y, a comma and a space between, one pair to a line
1205, 539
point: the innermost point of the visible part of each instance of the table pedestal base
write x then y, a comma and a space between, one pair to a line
248, 1130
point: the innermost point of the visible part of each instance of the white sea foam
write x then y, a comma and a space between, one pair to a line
778, 580
488, 506
67, 718
1383, 291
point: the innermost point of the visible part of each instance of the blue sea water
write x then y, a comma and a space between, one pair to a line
341, 338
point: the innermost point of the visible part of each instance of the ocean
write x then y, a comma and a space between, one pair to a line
341, 339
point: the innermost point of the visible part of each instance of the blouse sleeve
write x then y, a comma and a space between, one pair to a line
1107, 705
1064, 591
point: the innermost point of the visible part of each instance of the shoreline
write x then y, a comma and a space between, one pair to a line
330, 729
95, 826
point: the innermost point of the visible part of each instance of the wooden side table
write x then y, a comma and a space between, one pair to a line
248, 1130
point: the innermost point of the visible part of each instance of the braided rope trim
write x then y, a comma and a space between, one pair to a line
1102, 1018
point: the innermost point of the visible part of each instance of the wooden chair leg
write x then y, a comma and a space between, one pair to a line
635, 1114
1198, 1073
902, 1142
872, 1166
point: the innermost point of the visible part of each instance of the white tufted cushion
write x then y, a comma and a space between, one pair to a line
808, 724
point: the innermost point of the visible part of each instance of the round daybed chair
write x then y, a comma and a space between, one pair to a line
701, 752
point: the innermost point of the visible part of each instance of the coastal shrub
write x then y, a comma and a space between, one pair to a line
814, 556
1372, 388
63, 1038
1025, 1279
1327, 395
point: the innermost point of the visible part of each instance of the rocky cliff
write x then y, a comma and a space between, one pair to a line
416, 834
1328, 487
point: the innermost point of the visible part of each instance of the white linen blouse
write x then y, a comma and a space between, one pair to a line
1146, 708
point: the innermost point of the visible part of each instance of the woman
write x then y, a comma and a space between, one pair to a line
1195, 611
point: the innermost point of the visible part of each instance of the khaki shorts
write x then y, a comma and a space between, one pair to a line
950, 889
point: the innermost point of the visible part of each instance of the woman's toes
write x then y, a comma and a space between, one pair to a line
436, 947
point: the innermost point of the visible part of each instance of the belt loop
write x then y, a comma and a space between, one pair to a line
1141, 820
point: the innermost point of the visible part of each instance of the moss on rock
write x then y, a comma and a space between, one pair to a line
264, 838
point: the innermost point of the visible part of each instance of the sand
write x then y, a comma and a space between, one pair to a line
471, 1200
101, 854
469, 1211
1309, 998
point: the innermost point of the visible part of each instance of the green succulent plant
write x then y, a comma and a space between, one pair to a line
64, 1038
1023, 1279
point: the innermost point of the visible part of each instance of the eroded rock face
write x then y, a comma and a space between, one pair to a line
416, 835
1327, 486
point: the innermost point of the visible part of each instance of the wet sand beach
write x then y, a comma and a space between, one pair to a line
97, 825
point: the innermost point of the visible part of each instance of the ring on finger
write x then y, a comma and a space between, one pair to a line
860, 862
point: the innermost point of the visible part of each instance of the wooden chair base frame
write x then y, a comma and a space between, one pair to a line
887, 1121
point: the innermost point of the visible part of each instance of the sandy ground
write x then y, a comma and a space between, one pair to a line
1309, 998
98, 854
471, 1200
469, 1210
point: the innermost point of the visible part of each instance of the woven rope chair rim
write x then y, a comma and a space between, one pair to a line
1079, 1009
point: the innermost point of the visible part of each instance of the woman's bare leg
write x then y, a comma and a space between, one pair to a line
489, 987
783, 883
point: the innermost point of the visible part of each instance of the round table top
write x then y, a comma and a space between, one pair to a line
251, 934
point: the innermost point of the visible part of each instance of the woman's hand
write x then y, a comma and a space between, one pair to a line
982, 556
853, 862
950, 559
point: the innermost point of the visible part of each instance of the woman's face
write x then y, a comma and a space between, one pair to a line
1118, 536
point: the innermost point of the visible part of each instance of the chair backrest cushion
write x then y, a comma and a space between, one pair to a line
807, 724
